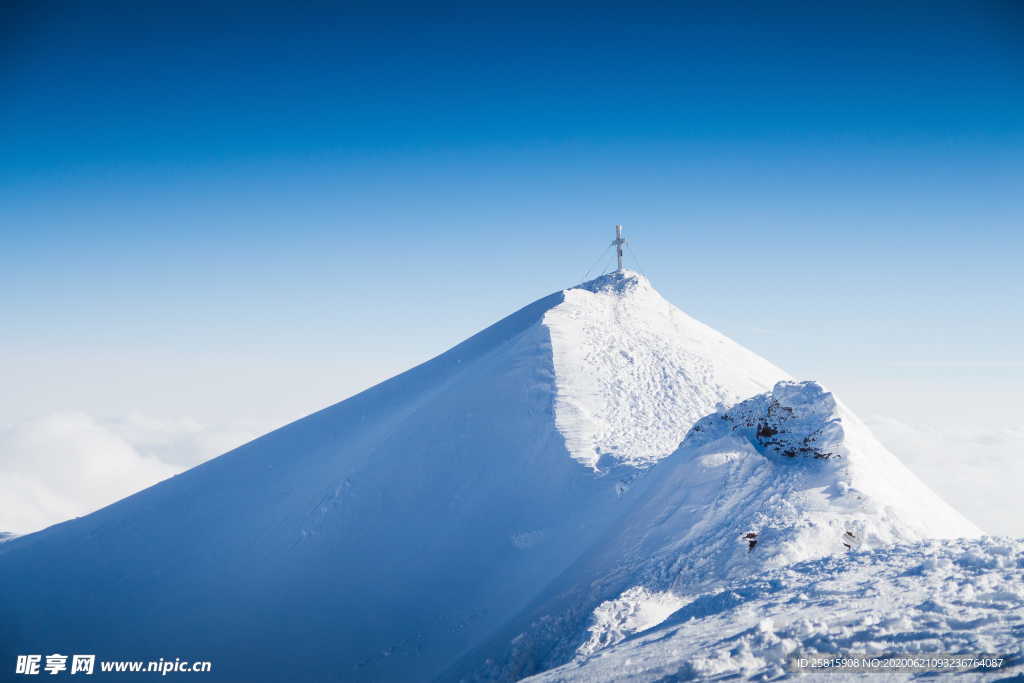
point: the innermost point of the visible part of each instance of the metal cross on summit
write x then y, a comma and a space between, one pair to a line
618, 242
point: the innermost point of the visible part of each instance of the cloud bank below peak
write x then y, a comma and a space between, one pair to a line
68, 464
976, 470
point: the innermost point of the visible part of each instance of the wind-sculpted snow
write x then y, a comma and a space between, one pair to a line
928, 598
732, 502
795, 420
822, 464
633, 372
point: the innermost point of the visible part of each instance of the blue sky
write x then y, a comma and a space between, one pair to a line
247, 212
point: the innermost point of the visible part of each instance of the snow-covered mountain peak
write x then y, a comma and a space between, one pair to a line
633, 373
407, 504
617, 282
404, 529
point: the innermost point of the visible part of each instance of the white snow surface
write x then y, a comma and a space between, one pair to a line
637, 609
797, 468
928, 598
791, 469
483, 516
633, 372
400, 528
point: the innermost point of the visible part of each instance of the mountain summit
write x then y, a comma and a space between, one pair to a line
633, 372
412, 531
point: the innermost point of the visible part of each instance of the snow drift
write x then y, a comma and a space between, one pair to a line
633, 372
465, 518
927, 598
793, 475
786, 476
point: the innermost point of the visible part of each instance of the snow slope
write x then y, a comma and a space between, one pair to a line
797, 469
517, 501
633, 372
386, 536
962, 596
783, 477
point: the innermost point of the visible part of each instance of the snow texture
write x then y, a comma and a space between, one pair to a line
934, 597
634, 372
637, 609
783, 477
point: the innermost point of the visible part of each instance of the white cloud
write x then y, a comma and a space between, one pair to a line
976, 471
69, 464
182, 442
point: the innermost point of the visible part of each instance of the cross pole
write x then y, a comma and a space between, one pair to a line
618, 242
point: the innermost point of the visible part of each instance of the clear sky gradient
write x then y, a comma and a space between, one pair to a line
246, 212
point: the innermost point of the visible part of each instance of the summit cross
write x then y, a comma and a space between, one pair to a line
618, 242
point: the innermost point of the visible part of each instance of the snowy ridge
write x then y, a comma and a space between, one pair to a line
950, 597
375, 530
779, 478
783, 477
854, 481
633, 372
